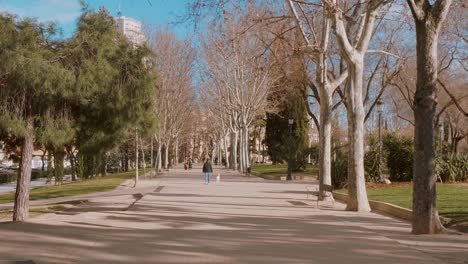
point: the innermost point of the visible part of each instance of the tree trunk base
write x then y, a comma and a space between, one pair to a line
356, 208
326, 197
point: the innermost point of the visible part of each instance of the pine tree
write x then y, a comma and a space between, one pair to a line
113, 92
33, 80
278, 139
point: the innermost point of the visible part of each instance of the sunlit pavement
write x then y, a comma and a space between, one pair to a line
179, 219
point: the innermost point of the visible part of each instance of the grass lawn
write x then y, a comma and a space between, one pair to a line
100, 184
282, 170
452, 199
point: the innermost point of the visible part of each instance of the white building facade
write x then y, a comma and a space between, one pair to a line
131, 28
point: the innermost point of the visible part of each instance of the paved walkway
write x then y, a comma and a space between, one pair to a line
240, 220
11, 187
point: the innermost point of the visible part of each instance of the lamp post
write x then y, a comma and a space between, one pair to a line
290, 122
380, 110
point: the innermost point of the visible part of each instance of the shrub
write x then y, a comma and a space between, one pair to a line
452, 168
339, 167
314, 151
399, 151
371, 160
7, 177
36, 174
67, 171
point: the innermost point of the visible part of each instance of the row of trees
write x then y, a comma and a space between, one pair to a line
238, 79
354, 51
82, 95
175, 99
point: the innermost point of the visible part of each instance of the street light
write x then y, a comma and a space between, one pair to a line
380, 106
291, 122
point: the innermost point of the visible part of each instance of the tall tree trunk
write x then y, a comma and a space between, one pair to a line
325, 145
326, 104
143, 160
357, 194
136, 158
152, 154
158, 157
234, 139
219, 150
102, 161
176, 147
126, 159
213, 152
72, 158
44, 153
49, 166
241, 159
259, 147
21, 207
247, 147
263, 151
59, 156
354, 43
226, 155
166, 155
425, 215
241, 151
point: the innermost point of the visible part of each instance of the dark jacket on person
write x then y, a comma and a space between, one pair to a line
207, 167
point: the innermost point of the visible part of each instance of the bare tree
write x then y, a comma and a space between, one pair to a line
318, 51
353, 40
242, 80
175, 98
428, 18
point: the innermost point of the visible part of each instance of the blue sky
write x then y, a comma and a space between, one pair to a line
66, 12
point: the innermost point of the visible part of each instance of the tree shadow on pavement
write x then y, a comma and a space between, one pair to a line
174, 234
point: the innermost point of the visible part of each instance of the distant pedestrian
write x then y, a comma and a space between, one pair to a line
185, 164
190, 164
207, 169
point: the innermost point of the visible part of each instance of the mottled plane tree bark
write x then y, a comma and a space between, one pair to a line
428, 18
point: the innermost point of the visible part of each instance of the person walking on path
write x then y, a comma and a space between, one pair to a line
207, 169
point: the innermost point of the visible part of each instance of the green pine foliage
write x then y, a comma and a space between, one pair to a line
278, 139
88, 91
372, 159
113, 91
32, 79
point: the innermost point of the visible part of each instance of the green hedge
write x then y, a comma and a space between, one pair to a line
339, 167
38, 174
371, 160
398, 155
452, 168
399, 151
7, 177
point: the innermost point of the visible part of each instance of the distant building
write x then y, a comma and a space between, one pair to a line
131, 28
313, 133
2, 153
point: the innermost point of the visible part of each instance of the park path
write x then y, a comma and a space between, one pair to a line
239, 220
11, 186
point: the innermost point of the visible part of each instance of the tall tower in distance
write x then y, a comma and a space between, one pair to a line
130, 27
